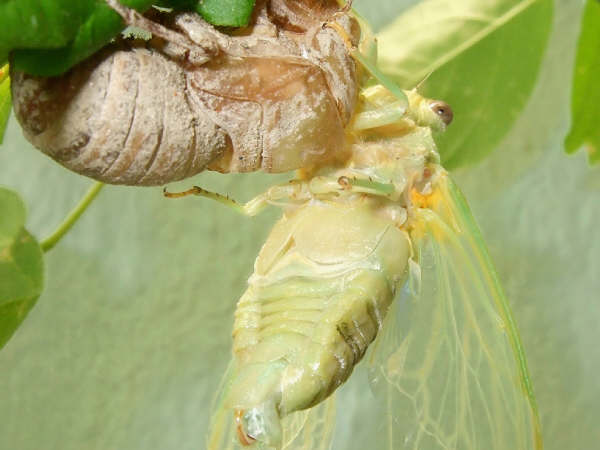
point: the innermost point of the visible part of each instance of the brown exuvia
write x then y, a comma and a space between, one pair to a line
274, 96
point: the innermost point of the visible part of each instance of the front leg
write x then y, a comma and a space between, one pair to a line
178, 45
380, 108
202, 33
289, 193
354, 183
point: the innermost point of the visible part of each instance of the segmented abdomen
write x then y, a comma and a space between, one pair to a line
122, 117
321, 288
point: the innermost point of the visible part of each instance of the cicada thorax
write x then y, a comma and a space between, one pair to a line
264, 98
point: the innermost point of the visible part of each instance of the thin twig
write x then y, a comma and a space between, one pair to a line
72, 218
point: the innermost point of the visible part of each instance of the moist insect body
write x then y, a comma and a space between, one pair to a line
329, 279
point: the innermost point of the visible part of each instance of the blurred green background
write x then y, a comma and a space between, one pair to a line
125, 347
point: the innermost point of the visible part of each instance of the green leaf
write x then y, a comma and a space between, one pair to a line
483, 58
4, 100
585, 112
50, 37
54, 35
232, 13
21, 266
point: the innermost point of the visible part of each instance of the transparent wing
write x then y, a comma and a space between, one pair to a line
448, 364
311, 429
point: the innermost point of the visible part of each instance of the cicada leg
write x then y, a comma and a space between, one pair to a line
395, 103
386, 103
369, 62
388, 114
294, 190
178, 45
201, 33
326, 185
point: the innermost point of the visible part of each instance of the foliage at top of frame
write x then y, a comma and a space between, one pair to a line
485, 69
47, 38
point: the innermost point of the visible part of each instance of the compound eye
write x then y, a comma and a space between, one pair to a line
443, 110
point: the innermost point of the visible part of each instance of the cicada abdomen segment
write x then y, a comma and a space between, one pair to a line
122, 117
322, 285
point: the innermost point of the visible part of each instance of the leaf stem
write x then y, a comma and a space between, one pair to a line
73, 216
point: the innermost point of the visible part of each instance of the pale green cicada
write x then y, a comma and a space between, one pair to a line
380, 248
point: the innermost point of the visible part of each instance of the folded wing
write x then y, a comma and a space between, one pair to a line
449, 364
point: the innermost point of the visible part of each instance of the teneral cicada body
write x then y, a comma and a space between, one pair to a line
316, 301
274, 97
354, 241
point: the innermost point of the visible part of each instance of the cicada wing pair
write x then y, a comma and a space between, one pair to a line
448, 363
447, 367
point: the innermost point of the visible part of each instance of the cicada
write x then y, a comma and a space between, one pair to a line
274, 96
376, 256
381, 249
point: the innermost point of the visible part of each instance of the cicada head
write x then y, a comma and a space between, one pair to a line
395, 137
426, 112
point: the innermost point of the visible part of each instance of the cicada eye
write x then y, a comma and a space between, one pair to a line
443, 110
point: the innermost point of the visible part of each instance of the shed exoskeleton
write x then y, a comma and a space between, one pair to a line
274, 96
